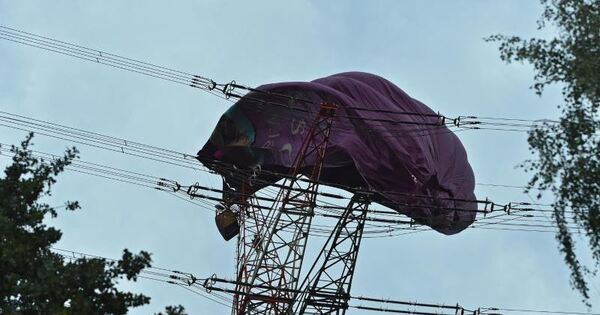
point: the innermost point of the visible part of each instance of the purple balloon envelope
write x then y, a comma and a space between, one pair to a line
381, 140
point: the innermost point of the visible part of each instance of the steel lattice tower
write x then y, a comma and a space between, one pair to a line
272, 243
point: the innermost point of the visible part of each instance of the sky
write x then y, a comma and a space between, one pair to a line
433, 50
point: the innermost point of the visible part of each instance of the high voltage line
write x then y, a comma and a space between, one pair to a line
185, 280
129, 147
204, 287
520, 219
428, 122
145, 151
176, 158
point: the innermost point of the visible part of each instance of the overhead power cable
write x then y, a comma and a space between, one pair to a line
154, 153
139, 149
426, 122
198, 285
380, 223
385, 305
185, 280
145, 68
535, 311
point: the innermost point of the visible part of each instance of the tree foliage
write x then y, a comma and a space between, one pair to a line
567, 152
174, 310
33, 278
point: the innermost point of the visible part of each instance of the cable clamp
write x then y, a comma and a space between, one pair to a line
507, 208
255, 173
192, 280
441, 119
485, 207
212, 85
209, 283
228, 89
192, 190
456, 121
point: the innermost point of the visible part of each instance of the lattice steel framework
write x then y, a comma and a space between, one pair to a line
328, 290
272, 242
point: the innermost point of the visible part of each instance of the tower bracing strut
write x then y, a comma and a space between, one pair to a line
327, 285
272, 242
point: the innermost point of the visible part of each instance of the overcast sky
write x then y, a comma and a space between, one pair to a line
434, 50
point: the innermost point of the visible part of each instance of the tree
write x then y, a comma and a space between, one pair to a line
174, 310
34, 279
567, 152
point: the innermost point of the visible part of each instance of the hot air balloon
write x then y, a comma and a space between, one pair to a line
382, 140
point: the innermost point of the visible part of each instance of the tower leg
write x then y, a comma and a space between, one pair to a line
327, 290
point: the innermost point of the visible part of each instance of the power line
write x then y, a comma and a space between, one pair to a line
189, 161
190, 282
386, 305
228, 90
375, 216
175, 276
181, 279
524, 311
158, 154
141, 150
148, 152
